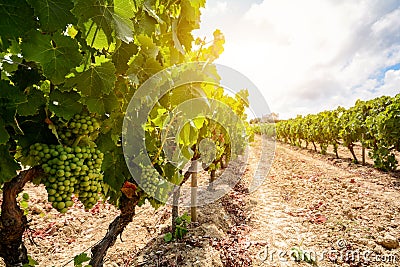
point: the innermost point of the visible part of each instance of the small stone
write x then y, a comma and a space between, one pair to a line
36, 209
213, 231
388, 242
349, 214
380, 228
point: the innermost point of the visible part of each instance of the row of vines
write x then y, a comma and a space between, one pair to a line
374, 123
69, 70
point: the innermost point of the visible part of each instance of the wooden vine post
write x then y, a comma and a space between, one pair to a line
363, 151
193, 194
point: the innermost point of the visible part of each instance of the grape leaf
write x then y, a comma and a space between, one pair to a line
16, 18
95, 36
14, 47
147, 46
123, 90
95, 81
146, 25
8, 165
124, 8
12, 95
114, 168
27, 75
10, 98
35, 100
114, 124
122, 55
168, 237
102, 104
52, 14
91, 10
137, 4
35, 130
81, 258
4, 136
152, 13
57, 54
123, 28
10, 65
107, 17
199, 121
65, 104
123, 12
188, 135
175, 38
152, 66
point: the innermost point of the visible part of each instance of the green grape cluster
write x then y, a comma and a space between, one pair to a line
149, 180
207, 155
79, 125
70, 170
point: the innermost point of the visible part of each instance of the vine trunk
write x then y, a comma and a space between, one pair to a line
13, 222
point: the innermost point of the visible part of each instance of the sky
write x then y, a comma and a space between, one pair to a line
307, 56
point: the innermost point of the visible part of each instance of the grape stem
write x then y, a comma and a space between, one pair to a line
77, 140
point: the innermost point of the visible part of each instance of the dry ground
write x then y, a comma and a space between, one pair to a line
327, 207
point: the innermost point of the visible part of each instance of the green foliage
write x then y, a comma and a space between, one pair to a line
90, 57
182, 223
168, 237
298, 254
65, 104
267, 129
181, 230
80, 259
57, 54
62, 59
31, 262
374, 123
24, 203
97, 80
15, 20
68, 72
8, 165
53, 15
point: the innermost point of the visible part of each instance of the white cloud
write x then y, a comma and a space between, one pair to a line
391, 84
310, 55
220, 8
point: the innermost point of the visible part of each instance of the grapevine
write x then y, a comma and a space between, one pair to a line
373, 123
68, 72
